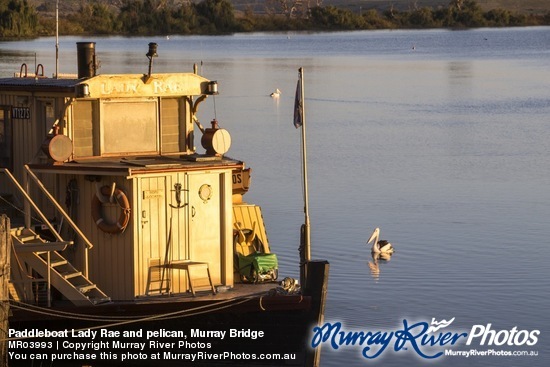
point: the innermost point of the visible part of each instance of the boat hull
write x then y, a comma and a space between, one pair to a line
264, 329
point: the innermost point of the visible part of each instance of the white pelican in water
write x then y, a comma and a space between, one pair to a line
379, 246
276, 94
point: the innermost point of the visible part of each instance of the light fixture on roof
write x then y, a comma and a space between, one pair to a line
212, 88
152, 53
82, 90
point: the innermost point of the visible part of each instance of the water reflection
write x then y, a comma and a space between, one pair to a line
374, 265
460, 78
275, 96
460, 70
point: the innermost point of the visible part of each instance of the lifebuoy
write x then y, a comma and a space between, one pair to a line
97, 204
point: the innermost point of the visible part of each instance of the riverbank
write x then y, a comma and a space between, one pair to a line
539, 7
155, 17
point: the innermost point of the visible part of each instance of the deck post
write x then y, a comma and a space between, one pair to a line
5, 246
316, 287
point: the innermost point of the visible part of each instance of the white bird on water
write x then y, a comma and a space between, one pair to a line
276, 94
379, 246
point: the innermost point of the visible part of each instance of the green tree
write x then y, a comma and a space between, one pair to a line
421, 18
456, 4
17, 19
217, 16
97, 18
140, 17
465, 13
498, 17
186, 19
330, 17
472, 14
373, 20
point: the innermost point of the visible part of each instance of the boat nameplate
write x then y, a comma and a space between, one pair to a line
241, 180
117, 86
21, 113
152, 194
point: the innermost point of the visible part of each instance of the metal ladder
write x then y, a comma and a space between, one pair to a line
44, 258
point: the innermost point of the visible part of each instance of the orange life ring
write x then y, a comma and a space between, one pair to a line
97, 205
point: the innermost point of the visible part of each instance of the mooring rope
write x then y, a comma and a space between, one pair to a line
107, 318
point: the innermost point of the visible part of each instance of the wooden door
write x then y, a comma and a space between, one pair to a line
152, 231
205, 223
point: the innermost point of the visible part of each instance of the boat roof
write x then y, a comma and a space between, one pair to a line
115, 85
40, 83
130, 166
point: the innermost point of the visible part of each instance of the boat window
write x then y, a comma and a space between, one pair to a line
5, 139
129, 127
170, 126
85, 129
49, 117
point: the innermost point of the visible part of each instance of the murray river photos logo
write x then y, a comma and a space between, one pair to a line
428, 340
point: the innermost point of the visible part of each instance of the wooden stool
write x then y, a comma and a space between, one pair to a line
192, 267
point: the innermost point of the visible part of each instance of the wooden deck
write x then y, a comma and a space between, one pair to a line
238, 291
242, 298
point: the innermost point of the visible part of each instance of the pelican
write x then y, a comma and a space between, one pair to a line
276, 94
379, 246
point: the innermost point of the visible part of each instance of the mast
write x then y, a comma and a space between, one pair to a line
300, 121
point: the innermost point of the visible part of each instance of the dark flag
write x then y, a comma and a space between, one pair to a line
299, 105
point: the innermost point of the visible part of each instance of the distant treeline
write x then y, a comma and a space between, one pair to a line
158, 17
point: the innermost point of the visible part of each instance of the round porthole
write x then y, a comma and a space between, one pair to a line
205, 192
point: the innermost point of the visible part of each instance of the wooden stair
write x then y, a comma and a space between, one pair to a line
69, 281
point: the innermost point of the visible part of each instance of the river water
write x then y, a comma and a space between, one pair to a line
438, 137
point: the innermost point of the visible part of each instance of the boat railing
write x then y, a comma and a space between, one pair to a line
39, 69
21, 74
23, 71
30, 203
82, 236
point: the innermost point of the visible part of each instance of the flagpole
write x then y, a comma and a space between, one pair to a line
306, 195
57, 39
305, 252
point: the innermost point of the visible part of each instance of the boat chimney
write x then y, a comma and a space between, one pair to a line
86, 59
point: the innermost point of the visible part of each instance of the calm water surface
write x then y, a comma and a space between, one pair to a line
440, 138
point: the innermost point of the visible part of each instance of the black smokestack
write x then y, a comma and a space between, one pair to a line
86, 59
